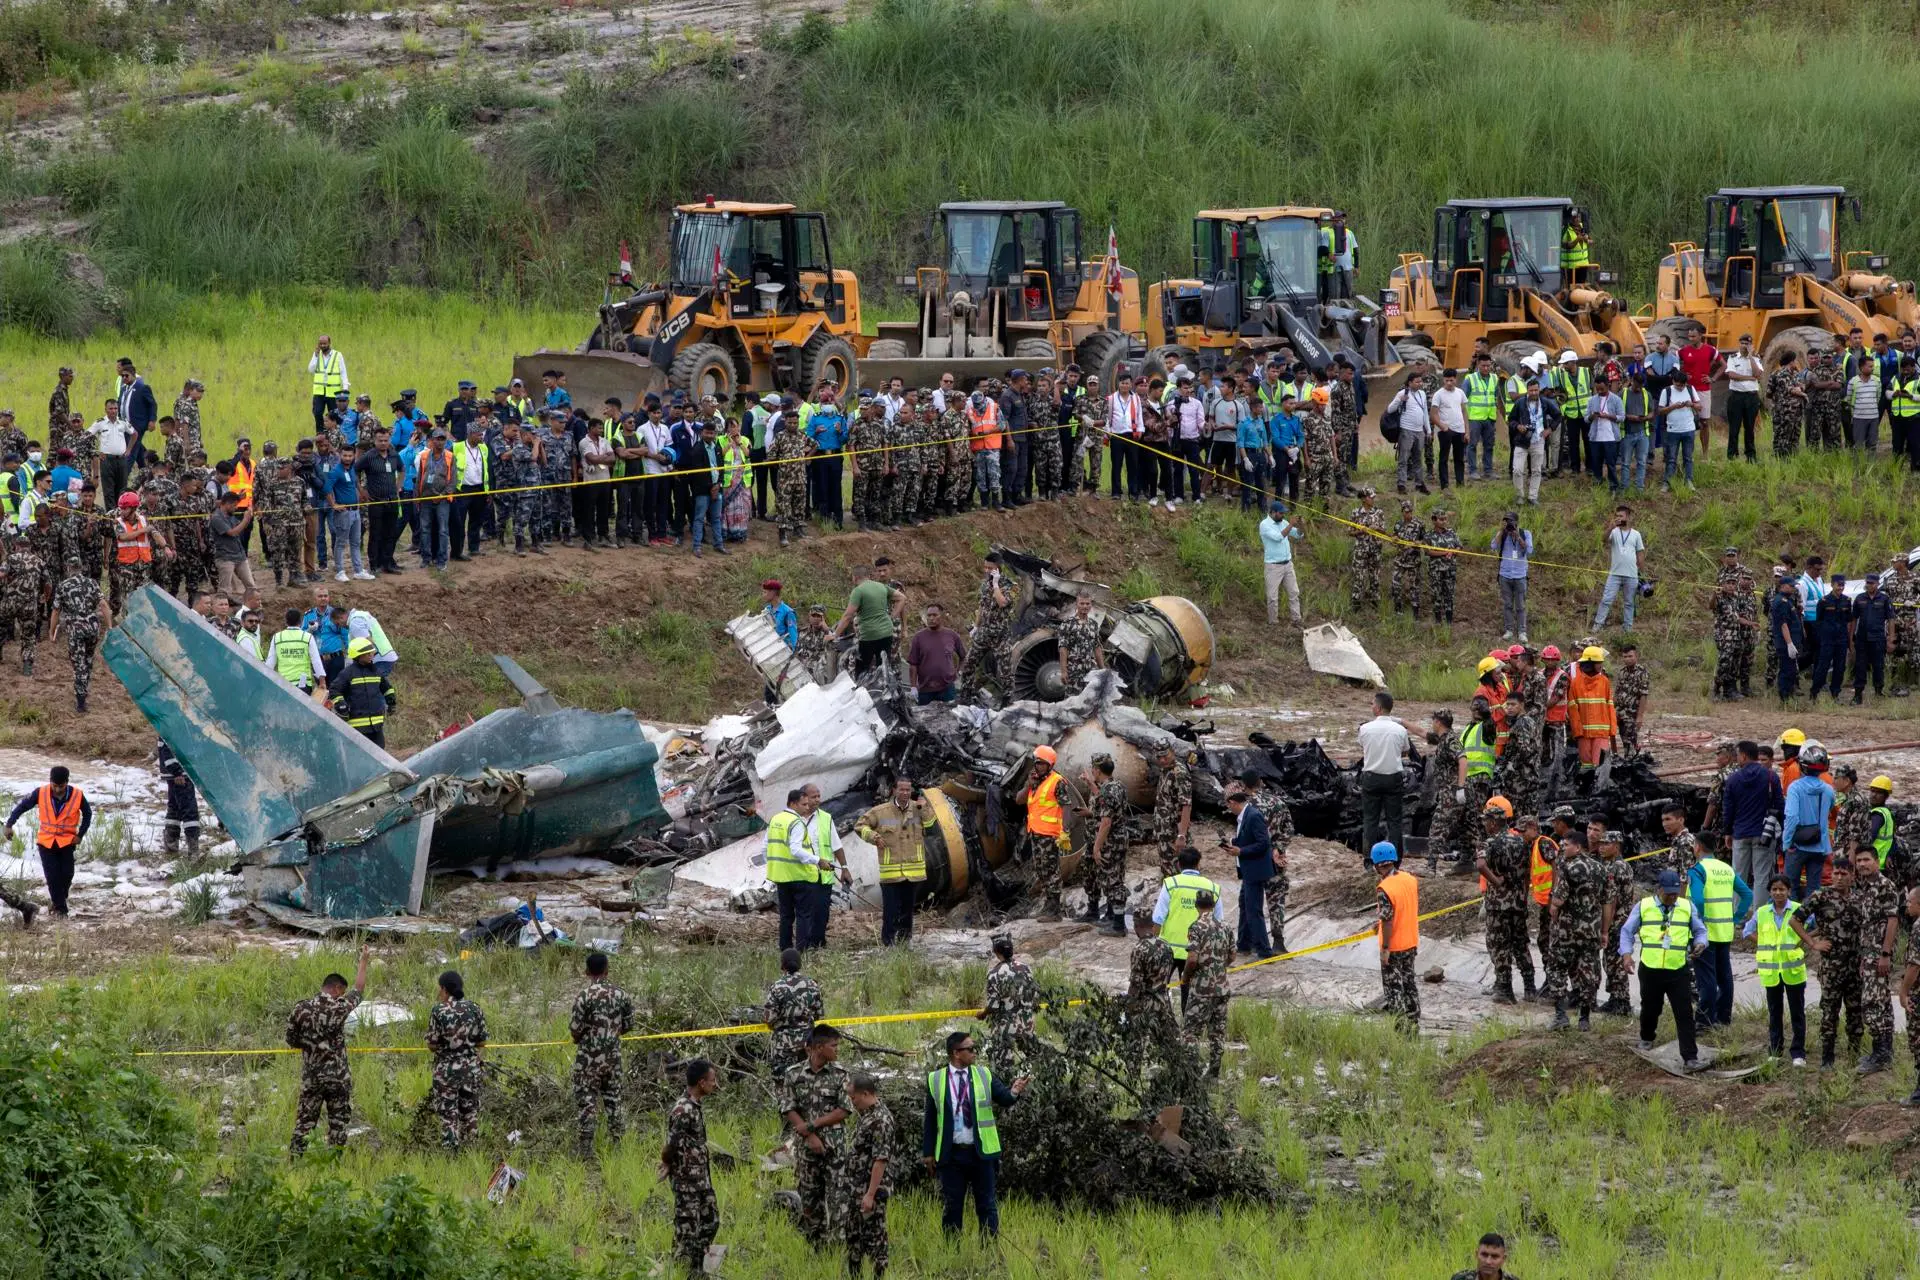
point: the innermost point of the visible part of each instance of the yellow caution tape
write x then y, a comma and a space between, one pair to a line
761, 1028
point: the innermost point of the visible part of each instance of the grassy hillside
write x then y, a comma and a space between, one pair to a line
1138, 112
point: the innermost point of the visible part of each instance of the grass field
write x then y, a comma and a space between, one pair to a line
1392, 1155
1137, 112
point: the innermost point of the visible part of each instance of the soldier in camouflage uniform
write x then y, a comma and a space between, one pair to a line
556, 468
903, 498
1078, 639
1013, 1002
1406, 559
79, 610
1443, 570
519, 469
1683, 847
1447, 830
1105, 862
1581, 920
186, 416
1830, 911
870, 1152
1902, 648
956, 490
23, 591
1734, 626
1209, 952
60, 413
990, 628
1319, 464
602, 1013
794, 1004
933, 456
1150, 968
1826, 403
817, 651
867, 455
813, 1098
283, 522
456, 1032
1043, 422
1876, 905
787, 455
685, 1166
1518, 772
192, 562
1631, 685
318, 1028
1368, 550
1343, 406
1787, 404
1399, 988
1621, 893
1172, 809
1852, 812
1504, 863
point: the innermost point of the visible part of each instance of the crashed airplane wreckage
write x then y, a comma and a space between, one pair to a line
333, 825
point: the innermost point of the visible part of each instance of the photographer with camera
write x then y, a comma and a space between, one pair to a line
1514, 546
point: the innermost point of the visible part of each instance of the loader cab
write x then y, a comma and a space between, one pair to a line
1029, 250
1247, 258
758, 259
1759, 237
1485, 252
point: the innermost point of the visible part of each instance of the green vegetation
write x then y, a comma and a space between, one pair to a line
371, 178
1386, 1149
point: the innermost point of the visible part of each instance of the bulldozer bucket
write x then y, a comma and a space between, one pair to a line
924, 371
593, 377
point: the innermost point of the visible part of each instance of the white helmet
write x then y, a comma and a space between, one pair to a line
1567, 357
1535, 360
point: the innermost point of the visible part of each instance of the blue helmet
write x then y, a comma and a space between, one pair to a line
1384, 852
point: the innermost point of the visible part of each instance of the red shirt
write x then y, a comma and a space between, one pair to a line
1696, 361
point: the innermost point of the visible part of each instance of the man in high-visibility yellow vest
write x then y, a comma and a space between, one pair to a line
1721, 899
897, 828
1576, 249
1175, 909
328, 368
1572, 382
960, 1134
1669, 933
793, 866
1486, 405
295, 654
1046, 831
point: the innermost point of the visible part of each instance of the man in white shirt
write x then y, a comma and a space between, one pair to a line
1125, 413
1605, 413
1383, 744
1410, 409
1744, 375
114, 437
1626, 552
1449, 412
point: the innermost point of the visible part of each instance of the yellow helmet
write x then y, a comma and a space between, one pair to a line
1792, 738
1882, 783
1593, 653
1485, 665
357, 647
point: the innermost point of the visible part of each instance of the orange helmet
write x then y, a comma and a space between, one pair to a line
1046, 753
1498, 805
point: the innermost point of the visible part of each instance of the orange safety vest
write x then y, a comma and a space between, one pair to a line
1501, 731
1556, 696
984, 427
1788, 772
1043, 808
242, 483
1542, 871
1592, 706
1403, 932
60, 825
133, 543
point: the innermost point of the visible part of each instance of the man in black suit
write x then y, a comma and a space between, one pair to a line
960, 1136
138, 408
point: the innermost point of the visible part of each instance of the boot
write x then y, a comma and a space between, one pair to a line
1560, 1022
27, 666
1913, 1099
279, 578
1092, 914
1530, 994
1826, 1057
783, 537
28, 911
1115, 926
1503, 991
80, 702
1586, 1015
1878, 1059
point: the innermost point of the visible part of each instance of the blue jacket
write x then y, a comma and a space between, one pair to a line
1751, 793
1283, 429
1254, 844
1808, 801
1697, 892
784, 622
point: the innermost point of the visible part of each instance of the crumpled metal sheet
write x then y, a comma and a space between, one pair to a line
829, 736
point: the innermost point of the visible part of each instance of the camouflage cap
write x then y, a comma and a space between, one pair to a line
1363, 491
1613, 835
1000, 937
1103, 761
1406, 504
1563, 813
1725, 744
819, 609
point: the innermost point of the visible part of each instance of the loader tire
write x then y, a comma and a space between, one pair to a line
826, 357
1508, 355
1100, 356
887, 349
704, 369
1036, 351
1161, 360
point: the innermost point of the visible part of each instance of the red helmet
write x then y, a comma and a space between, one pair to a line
1518, 651
129, 499
1551, 653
